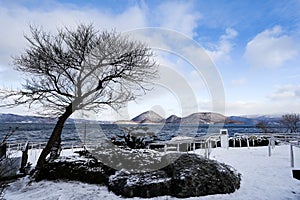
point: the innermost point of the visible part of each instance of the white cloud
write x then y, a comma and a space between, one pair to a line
15, 21
221, 51
192, 66
286, 93
284, 99
178, 16
261, 107
270, 48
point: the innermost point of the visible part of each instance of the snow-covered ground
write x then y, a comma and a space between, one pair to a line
263, 177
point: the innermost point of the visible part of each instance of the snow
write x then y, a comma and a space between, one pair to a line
263, 177
181, 138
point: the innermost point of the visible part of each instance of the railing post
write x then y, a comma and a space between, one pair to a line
233, 141
292, 155
194, 146
248, 145
273, 142
208, 148
269, 147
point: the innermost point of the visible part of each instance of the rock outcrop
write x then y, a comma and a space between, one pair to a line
182, 176
82, 168
188, 176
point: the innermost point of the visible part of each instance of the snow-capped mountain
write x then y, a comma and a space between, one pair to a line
148, 117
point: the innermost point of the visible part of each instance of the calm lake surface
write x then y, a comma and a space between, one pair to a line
74, 133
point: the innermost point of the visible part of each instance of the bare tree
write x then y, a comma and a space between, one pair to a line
264, 126
80, 69
290, 122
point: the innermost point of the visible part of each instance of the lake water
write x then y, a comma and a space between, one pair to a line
74, 133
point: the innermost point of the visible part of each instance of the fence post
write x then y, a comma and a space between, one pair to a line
248, 145
269, 147
292, 155
273, 142
208, 149
194, 146
233, 141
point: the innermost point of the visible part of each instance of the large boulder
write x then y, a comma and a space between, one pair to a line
193, 175
189, 176
147, 184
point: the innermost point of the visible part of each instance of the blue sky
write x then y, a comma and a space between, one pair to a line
254, 45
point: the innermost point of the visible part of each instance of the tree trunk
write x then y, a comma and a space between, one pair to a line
55, 138
24, 158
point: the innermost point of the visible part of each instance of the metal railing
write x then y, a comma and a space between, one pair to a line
283, 137
206, 142
185, 144
19, 146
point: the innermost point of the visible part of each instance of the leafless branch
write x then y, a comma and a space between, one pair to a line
82, 67
290, 122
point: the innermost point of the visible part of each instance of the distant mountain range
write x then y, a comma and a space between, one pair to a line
12, 118
150, 117
195, 118
252, 120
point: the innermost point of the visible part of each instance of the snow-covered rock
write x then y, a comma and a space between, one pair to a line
189, 176
77, 168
